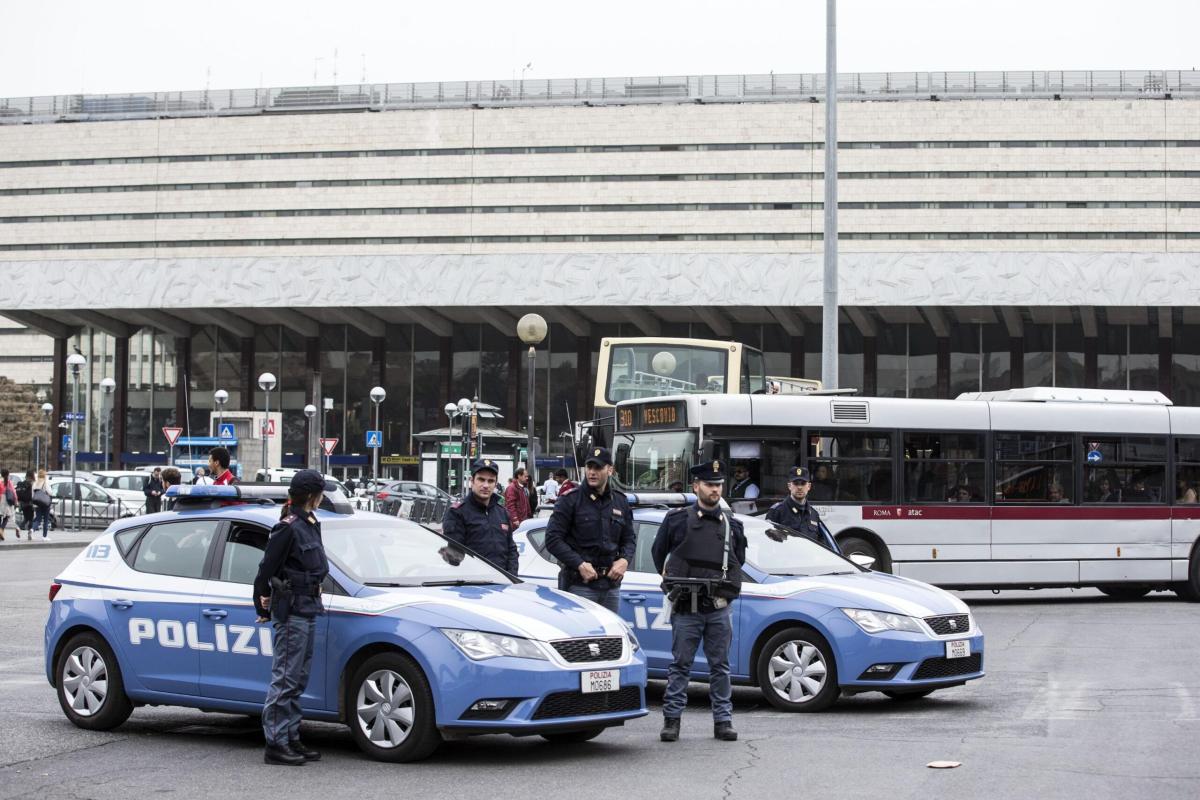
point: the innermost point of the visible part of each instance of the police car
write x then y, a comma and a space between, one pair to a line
422, 641
810, 625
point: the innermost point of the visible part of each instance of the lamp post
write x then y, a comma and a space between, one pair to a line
531, 329
47, 410
378, 395
450, 409
464, 407
326, 407
220, 397
266, 382
107, 387
310, 411
75, 362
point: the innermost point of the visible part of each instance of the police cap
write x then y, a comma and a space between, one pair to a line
799, 474
709, 472
600, 456
484, 465
307, 481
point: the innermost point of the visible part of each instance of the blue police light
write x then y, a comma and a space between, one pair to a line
203, 491
660, 498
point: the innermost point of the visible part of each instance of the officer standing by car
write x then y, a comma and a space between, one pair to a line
287, 591
591, 534
700, 550
479, 521
795, 511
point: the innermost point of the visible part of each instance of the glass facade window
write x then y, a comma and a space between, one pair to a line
850, 357
1068, 355
1143, 357
964, 358
922, 361
891, 361
1185, 365
1112, 357
1039, 354
996, 350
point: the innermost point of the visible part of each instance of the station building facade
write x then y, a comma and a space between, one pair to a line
1011, 229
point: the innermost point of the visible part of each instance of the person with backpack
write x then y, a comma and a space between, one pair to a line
8, 502
41, 504
25, 502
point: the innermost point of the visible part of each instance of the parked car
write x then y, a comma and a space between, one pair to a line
96, 505
128, 485
397, 498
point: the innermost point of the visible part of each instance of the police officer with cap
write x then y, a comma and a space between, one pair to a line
591, 534
287, 591
700, 551
480, 522
795, 511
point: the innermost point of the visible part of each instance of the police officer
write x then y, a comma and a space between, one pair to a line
795, 511
706, 544
591, 534
287, 591
480, 522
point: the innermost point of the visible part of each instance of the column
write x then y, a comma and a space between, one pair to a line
585, 386
870, 366
246, 376
1091, 371
445, 367
61, 400
943, 367
183, 360
313, 394
1016, 362
1166, 355
797, 367
516, 378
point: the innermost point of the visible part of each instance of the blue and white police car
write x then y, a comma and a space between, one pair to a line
422, 641
810, 625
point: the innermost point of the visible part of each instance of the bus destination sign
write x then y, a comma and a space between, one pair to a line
663, 415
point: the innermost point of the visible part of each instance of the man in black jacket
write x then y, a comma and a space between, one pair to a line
154, 491
479, 521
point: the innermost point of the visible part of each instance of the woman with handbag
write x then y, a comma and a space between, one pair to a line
8, 503
41, 504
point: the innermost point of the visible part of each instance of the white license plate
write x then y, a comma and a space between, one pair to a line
600, 680
959, 648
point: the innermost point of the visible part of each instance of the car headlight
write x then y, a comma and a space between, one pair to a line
634, 644
478, 646
880, 621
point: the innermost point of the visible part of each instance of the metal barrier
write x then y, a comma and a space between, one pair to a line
601, 91
426, 510
67, 514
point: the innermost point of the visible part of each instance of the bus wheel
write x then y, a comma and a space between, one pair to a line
1190, 589
1125, 592
852, 545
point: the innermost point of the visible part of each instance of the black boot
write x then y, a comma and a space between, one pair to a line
299, 748
282, 755
670, 729
724, 731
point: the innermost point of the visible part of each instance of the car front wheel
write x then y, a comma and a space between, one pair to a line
797, 671
90, 689
391, 709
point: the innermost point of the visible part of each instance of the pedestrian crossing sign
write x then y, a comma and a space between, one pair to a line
374, 438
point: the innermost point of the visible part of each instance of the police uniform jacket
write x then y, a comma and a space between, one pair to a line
294, 553
696, 537
800, 517
592, 527
486, 530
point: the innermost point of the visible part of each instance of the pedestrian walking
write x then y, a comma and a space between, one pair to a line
287, 592
41, 504
25, 503
8, 503
516, 498
153, 490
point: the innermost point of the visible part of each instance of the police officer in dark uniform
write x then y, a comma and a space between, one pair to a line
700, 551
591, 534
795, 511
480, 522
287, 591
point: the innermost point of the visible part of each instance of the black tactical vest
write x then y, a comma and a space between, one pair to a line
702, 552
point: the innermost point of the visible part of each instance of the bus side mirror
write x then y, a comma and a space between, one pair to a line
708, 450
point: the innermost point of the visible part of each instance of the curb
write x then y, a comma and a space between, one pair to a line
40, 545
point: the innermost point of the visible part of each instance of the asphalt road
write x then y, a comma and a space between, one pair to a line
1084, 698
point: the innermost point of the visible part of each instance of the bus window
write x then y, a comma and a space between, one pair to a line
1124, 469
1187, 470
943, 467
754, 372
850, 466
638, 371
1033, 467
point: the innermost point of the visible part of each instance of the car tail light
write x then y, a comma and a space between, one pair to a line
54, 587
382, 495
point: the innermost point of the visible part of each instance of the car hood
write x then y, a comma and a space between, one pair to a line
876, 591
535, 612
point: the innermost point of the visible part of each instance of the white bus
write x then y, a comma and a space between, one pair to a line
1026, 488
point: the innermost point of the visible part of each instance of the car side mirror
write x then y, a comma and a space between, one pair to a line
861, 560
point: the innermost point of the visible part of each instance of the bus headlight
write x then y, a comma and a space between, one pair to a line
880, 621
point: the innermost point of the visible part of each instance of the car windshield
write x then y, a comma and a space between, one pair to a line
379, 552
779, 551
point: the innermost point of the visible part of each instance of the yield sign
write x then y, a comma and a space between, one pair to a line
172, 435
328, 446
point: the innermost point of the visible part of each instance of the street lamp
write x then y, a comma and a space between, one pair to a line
220, 397
450, 410
377, 396
310, 411
464, 408
531, 329
47, 410
266, 382
75, 363
107, 386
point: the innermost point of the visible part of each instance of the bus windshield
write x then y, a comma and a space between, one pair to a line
656, 369
653, 462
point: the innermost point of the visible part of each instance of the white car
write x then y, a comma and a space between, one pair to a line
96, 505
127, 485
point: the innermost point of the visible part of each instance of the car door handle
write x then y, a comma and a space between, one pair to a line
636, 598
121, 603
215, 613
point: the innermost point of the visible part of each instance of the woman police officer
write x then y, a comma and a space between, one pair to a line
288, 592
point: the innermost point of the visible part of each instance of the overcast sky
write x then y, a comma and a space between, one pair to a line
97, 46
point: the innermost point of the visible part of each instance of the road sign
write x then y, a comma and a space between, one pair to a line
66, 441
268, 428
226, 431
328, 445
375, 439
77, 416
451, 448
399, 461
1094, 456
172, 435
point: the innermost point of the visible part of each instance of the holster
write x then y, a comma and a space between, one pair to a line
281, 599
